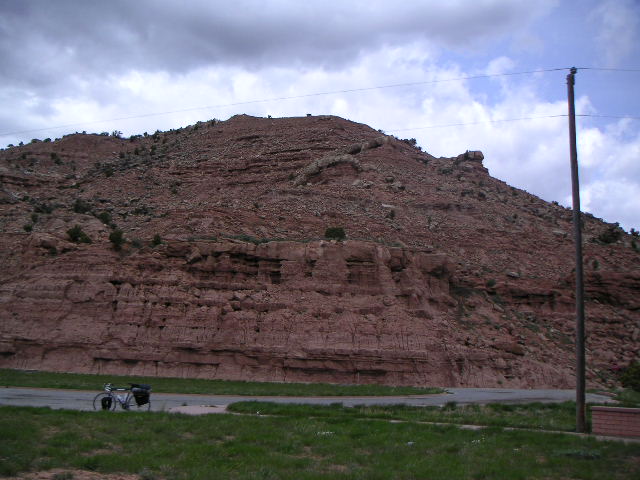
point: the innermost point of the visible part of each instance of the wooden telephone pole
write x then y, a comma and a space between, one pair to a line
577, 235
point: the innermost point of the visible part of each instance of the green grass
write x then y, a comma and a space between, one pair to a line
628, 398
170, 446
542, 416
79, 381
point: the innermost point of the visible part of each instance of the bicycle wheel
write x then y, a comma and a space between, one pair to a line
104, 401
133, 406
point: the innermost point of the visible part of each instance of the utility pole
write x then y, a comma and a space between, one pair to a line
577, 236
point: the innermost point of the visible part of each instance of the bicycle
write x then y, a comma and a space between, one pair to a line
136, 398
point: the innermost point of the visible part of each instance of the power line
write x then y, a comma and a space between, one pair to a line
610, 69
292, 97
608, 116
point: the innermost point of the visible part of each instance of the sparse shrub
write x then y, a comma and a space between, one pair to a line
335, 233
157, 240
491, 283
27, 227
136, 243
117, 239
108, 171
116, 133
105, 218
634, 246
76, 235
80, 206
56, 158
34, 217
634, 232
121, 154
142, 210
42, 208
612, 234
630, 377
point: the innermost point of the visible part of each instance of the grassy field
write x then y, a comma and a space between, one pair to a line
540, 416
334, 446
78, 381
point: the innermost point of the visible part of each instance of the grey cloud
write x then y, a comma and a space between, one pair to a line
43, 42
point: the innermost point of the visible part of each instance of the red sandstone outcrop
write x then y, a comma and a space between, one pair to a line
448, 276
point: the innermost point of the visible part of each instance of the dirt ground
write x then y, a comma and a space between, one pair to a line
61, 474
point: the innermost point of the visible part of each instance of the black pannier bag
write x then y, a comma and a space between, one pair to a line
106, 403
141, 394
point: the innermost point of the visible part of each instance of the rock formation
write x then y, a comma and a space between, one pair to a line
447, 277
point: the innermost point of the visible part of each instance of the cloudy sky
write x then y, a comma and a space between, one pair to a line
451, 72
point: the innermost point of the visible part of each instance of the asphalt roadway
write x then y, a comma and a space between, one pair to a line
83, 399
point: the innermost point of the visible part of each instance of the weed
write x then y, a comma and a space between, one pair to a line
335, 233
630, 377
612, 234
76, 235
117, 239
80, 206
42, 207
104, 217
450, 406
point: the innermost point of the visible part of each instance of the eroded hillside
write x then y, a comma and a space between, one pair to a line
447, 276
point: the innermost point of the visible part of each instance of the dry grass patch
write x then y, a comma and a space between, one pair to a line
67, 474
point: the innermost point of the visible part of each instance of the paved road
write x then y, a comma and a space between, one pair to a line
82, 400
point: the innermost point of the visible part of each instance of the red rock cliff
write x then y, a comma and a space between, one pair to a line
447, 277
